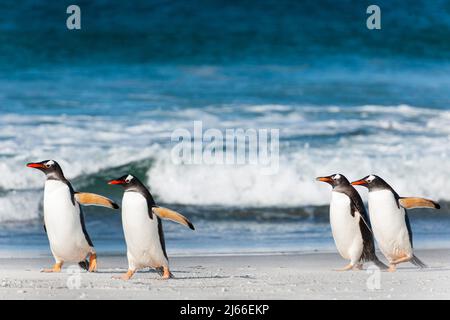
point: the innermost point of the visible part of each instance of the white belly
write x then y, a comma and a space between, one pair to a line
388, 225
345, 227
141, 233
62, 221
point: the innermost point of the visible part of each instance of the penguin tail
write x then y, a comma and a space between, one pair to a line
372, 257
84, 265
379, 264
369, 255
417, 262
160, 271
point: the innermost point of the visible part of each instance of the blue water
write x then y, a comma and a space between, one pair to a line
104, 100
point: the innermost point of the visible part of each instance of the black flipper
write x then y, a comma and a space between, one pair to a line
72, 191
161, 237
150, 202
83, 226
408, 226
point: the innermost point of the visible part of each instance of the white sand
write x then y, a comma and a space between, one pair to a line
280, 276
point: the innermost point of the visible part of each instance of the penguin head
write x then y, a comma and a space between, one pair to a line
50, 168
127, 181
334, 180
131, 183
371, 182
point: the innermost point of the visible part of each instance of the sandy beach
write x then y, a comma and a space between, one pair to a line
271, 276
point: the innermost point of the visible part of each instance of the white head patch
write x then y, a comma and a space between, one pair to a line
337, 176
50, 163
129, 178
370, 178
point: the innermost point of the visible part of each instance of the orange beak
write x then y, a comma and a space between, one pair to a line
116, 182
360, 183
324, 179
35, 165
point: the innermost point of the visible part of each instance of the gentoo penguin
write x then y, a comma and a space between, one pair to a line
350, 224
142, 228
390, 222
64, 220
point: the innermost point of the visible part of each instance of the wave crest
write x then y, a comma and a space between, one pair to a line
406, 145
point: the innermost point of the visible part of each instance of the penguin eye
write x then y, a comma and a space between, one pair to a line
336, 177
48, 164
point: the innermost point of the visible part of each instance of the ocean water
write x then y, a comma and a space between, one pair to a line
104, 100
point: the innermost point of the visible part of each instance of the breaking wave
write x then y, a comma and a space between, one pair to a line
408, 146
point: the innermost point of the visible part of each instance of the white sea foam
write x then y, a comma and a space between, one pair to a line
408, 146
294, 185
19, 206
